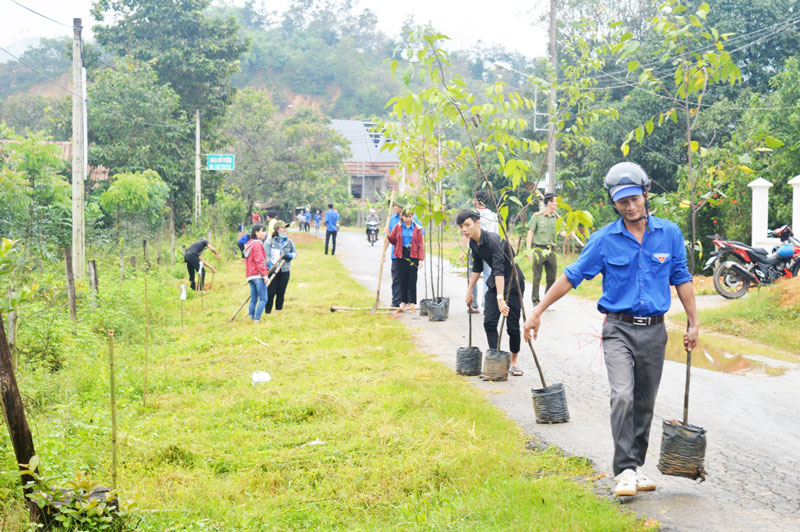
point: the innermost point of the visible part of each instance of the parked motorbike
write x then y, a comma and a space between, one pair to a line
752, 266
372, 232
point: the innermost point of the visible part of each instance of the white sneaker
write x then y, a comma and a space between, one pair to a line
643, 482
626, 483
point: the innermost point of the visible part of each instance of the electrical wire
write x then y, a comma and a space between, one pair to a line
76, 95
43, 16
789, 21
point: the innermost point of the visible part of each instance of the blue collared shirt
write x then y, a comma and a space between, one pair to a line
636, 277
331, 220
395, 219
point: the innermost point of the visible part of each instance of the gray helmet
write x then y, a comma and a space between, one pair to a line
623, 175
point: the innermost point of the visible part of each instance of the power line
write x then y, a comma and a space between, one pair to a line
789, 21
43, 16
75, 94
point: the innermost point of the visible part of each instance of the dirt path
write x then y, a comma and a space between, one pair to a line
753, 454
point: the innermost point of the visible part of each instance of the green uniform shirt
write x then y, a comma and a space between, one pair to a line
544, 229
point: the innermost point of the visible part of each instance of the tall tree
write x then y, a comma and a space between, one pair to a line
192, 52
136, 123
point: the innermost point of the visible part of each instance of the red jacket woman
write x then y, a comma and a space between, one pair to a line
417, 250
409, 249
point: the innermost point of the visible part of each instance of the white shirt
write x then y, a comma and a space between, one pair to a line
489, 221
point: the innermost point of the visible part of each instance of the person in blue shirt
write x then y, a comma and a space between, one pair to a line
331, 228
640, 256
317, 220
395, 219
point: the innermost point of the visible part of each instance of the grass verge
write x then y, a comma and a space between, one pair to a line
357, 430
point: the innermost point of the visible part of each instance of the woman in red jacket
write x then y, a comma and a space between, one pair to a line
409, 247
256, 270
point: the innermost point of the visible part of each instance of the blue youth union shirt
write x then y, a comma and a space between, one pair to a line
636, 277
331, 219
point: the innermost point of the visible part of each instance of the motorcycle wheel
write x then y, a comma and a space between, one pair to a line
728, 283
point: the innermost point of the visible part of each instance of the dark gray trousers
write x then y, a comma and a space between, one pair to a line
634, 357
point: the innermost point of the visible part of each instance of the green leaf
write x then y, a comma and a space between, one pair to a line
625, 149
649, 126
694, 146
633, 65
639, 132
772, 142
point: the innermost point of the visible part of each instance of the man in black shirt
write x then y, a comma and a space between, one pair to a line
192, 259
497, 253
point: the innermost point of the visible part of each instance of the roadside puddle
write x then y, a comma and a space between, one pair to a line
728, 355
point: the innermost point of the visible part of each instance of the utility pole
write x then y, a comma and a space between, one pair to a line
551, 104
78, 151
197, 202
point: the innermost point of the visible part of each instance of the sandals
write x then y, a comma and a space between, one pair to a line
515, 371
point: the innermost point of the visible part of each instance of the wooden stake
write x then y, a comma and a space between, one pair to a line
113, 410
93, 282
146, 325
73, 308
383, 255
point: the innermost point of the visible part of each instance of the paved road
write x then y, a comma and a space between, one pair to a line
753, 454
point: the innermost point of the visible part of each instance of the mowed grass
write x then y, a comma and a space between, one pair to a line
357, 430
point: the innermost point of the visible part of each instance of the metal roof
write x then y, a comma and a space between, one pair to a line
365, 144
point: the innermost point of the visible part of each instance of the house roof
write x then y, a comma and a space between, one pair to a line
365, 144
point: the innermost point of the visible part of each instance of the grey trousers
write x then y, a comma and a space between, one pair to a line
634, 357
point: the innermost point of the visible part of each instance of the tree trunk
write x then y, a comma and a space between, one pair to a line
14, 412
144, 253
133, 262
159, 238
73, 307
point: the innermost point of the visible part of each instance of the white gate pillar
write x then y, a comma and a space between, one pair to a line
795, 182
760, 216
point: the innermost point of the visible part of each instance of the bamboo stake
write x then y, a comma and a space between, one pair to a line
146, 324
114, 446
383, 256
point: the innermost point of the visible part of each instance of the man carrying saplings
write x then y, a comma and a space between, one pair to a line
497, 254
640, 256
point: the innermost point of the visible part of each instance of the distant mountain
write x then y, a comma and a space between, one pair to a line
19, 47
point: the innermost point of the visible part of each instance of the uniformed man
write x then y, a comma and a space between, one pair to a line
542, 234
640, 256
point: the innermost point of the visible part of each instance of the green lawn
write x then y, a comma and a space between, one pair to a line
358, 430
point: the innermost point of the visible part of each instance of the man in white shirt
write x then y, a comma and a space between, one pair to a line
489, 223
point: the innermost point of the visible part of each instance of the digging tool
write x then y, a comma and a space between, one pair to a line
383, 254
335, 308
270, 276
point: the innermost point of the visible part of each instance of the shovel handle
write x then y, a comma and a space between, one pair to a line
688, 381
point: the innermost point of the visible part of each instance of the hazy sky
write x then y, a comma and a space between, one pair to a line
510, 23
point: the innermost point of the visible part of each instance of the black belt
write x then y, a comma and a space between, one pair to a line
546, 246
637, 320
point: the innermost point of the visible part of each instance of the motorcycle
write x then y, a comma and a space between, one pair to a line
752, 266
372, 231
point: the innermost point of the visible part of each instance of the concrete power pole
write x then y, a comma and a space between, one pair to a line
78, 152
197, 202
551, 104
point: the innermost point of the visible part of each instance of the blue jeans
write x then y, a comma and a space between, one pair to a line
258, 298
